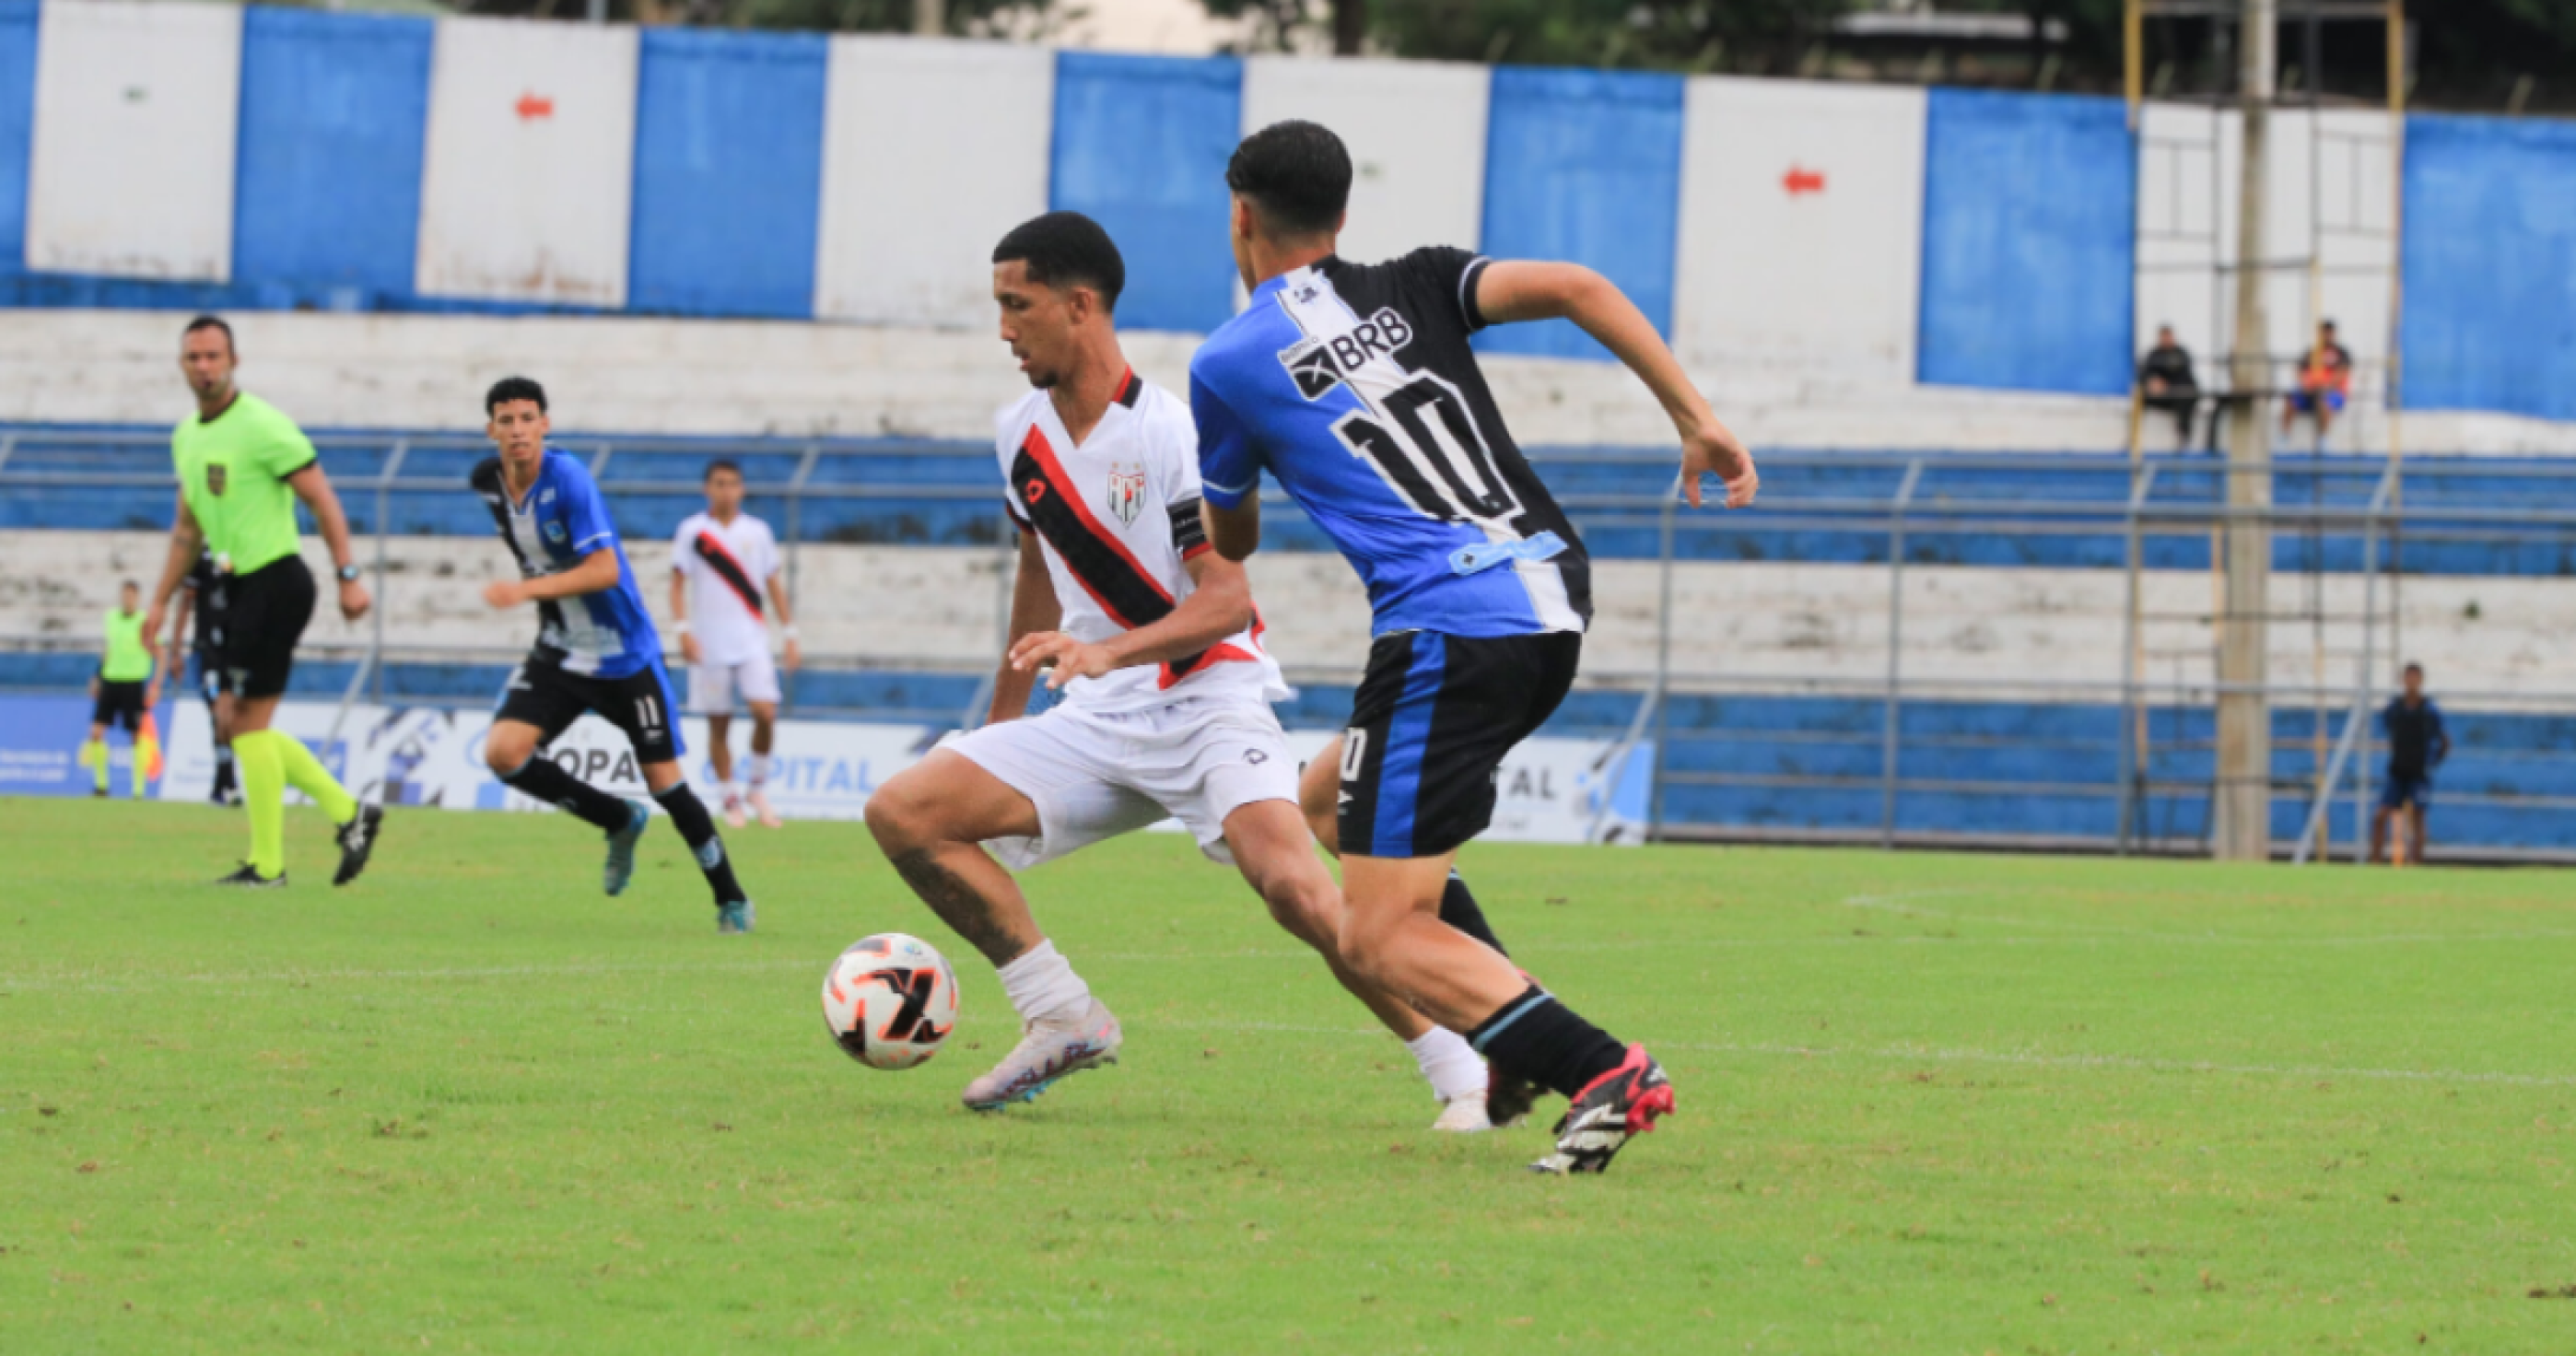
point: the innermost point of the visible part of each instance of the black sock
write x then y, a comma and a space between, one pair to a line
689, 815
1458, 909
1540, 1039
544, 779
223, 770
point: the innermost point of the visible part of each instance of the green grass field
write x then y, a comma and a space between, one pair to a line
1927, 1104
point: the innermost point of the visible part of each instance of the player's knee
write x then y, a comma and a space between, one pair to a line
899, 815
1309, 910
506, 752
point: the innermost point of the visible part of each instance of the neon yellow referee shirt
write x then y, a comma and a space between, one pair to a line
128, 659
233, 473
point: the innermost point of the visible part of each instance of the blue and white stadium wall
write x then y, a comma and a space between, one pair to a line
186, 155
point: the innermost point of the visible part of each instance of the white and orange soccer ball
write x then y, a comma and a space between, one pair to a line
890, 1001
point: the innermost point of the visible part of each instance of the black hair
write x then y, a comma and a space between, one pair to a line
1067, 249
2412, 667
130, 584
1296, 174
210, 322
513, 388
721, 464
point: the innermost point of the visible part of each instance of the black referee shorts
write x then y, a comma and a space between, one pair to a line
119, 704
1430, 725
542, 693
265, 613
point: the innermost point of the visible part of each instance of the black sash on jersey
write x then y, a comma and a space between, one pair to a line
1097, 560
493, 488
711, 549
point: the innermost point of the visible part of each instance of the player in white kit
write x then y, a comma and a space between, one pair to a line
1155, 643
725, 579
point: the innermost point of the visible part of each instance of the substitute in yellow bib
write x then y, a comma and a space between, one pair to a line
122, 691
241, 467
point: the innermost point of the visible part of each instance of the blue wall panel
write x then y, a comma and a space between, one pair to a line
1584, 166
728, 172
17, 127
326, 206
2490, 266
2029, 232
1141, 145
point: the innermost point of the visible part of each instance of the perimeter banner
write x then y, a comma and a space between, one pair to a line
1549, 790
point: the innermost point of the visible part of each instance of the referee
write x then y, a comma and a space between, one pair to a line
121, 692
241, 467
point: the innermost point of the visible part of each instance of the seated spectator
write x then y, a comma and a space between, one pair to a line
2165, 378
2325, 381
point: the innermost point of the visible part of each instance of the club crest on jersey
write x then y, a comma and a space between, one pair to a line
1126, 492
1326, 361
215, 480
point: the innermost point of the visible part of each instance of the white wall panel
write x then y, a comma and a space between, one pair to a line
931, 151
1416, 133
131, 171
2336, 169
1801, 227
529, 167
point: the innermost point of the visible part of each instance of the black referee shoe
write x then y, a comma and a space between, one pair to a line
248, 878
357, 839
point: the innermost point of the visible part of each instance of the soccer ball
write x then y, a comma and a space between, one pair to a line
890, 1001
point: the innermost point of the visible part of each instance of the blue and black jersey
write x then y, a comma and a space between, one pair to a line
606, 634
1353, 385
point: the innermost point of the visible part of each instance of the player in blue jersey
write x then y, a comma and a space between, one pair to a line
1354, 386
596, 649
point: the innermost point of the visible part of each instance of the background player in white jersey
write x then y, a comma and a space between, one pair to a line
725, 579
1167, 708
1355, 386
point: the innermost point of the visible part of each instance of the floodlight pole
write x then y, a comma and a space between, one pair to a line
2241, 811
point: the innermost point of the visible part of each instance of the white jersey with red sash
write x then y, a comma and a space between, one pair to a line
728, 566
1118, 515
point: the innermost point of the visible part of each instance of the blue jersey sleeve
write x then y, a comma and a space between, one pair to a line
1229, 463
585, 515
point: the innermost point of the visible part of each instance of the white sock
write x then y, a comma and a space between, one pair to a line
1449, 1063
759, 770
725, 790
1042, 984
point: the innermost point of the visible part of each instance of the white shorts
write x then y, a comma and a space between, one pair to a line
713, 687
1094, 776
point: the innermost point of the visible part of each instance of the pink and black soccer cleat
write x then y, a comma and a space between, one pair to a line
1623, 1102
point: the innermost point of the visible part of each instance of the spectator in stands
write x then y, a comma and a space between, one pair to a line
2417, 744
2165, 377
2325, 381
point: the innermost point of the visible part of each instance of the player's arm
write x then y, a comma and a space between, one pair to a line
777, 585
597, 573
1229, 475
680, 607
314, 488
178, 630
1035, 610
1220, 606
187, 541
1511, 290
2441, 740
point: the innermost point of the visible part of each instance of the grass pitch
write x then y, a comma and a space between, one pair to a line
1927, 1104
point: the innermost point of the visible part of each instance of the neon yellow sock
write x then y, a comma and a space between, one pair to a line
305, 773
263, 786
142, 764
93, 755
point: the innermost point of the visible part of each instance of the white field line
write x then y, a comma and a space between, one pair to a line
1903, 1054
1896, 1054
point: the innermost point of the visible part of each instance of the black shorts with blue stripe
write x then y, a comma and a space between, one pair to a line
1430, 725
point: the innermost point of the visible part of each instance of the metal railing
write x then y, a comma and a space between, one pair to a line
1892, 512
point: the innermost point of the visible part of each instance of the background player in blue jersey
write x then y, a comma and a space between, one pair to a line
1355, 387
596, 649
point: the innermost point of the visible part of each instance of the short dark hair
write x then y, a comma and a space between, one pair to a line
2412, 667
513, 388
1067, 249
1296, 174
210, 322
721, 464
130, 584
